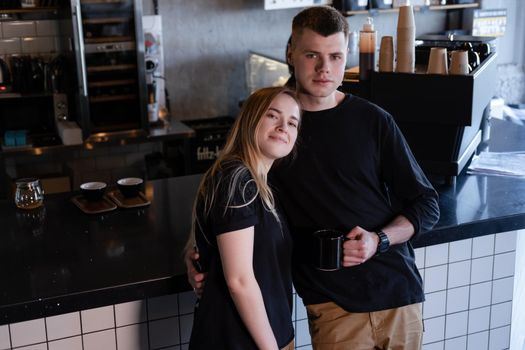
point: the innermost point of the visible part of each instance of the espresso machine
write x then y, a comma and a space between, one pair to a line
443, 117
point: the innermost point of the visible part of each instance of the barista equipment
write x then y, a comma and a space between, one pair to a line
34, 92
440, 115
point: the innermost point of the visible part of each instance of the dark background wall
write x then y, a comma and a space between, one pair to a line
206, 45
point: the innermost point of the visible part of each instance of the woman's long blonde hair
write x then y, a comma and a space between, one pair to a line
242, 149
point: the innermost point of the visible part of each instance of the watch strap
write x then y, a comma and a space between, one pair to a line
383, 244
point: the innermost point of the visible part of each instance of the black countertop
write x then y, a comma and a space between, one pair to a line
58, 259
479, 205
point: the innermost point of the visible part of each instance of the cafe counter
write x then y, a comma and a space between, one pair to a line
57, 259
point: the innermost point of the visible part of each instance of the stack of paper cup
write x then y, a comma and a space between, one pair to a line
406, 37
459, 62
438, 61
386, 54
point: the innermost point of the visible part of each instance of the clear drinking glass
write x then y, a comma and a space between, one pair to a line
29, 193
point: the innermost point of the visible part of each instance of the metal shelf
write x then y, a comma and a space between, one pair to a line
29, 10
373, 12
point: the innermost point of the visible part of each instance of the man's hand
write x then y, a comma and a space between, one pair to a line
360, 246
195, 278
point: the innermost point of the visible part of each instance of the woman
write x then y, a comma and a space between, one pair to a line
243, 244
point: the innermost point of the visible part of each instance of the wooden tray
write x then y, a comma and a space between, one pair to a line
128, 202
91, 207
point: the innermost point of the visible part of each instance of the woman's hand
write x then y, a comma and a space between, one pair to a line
195, 278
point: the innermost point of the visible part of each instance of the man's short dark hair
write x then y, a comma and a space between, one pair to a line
323, 20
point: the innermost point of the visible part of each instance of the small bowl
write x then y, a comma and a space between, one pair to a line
93, 191
130, 186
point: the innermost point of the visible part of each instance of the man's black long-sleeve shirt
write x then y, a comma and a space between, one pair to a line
354, 168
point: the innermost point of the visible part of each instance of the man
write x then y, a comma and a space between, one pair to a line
355, 173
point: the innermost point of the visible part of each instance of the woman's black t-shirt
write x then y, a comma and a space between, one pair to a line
217, 324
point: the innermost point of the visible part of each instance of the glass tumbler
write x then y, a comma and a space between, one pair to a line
29, 193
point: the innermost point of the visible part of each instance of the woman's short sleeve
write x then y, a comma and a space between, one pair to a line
235, 208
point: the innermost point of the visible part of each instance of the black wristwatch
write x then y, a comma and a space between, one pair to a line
384, 242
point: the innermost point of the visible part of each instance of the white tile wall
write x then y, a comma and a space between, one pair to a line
505, 242
483, 246
10, 46
478, 341
63, 326
456, 324
465, 303
436, 255
187, 302
29, 332
479, 319
435, 304
100, 340
186, 322
480, 294
300, 309
503, 290
420, 257
18, 29
504, 265
97, 319
434, 330
435, 278
41, 346
460, 250
456, 343
481, 269
518, 299
500, 314
35, 45
47, 28
74, 343
302, 336
499, 338
457, 299
5, 340
164, 332
130, 313
162, 307
133, 337
434, 346
459, 274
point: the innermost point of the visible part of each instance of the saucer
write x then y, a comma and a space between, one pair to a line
128, 202
93, 207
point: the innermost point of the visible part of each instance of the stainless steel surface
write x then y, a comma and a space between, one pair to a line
79, 35
141, 63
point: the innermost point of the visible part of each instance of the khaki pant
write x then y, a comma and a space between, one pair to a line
332, 328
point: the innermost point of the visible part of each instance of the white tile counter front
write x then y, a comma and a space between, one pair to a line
469, 288
469, 292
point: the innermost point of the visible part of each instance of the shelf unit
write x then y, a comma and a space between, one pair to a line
373, 12
29, 10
